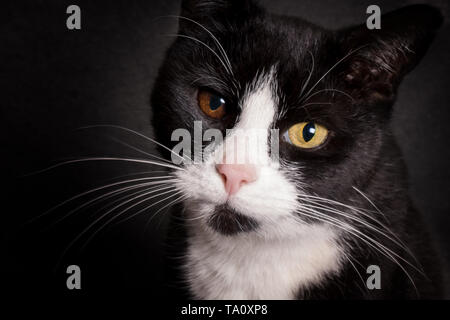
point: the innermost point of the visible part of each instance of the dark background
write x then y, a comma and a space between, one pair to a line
54, 81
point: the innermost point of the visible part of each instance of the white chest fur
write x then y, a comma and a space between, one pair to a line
249, 267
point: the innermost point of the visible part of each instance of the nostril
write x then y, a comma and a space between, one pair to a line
223, 177
242, 183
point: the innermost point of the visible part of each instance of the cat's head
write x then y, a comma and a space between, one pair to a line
329, 94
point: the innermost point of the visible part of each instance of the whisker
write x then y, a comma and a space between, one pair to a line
378, 247
368, 200
353, 266
148, 207
129, 195
224, 53
364, 223
136, 133
360, 212
326, 90
137, 174
91, 225
371, 239
92, 191
108, 159
179, 199
332, 68
374, 244
202, 43
326, 200
141, 151
314, 103
398, 241
317, 204
210, 77
114, 217
196, 218
382, 214
310, 74
108, 195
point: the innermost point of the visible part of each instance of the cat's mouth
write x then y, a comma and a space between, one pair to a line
228, 221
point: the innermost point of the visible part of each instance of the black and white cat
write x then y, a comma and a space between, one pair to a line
309, 225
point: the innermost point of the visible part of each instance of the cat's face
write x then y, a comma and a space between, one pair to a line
327, 93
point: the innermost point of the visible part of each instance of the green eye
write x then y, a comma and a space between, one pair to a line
306, 135
211, 104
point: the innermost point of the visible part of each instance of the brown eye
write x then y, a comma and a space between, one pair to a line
211, 104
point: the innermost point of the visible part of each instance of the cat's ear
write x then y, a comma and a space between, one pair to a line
378, 59
215, 12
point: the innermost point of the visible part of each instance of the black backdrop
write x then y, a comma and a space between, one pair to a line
54, 81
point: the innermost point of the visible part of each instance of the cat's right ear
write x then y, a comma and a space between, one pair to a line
377, 60
215, 13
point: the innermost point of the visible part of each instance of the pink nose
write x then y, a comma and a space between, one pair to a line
235, 175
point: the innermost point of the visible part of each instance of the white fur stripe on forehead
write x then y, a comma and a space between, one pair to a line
247, 142
259, 102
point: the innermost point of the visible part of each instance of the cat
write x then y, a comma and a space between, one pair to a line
310, 224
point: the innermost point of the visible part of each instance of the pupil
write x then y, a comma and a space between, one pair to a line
309, 131
215, 102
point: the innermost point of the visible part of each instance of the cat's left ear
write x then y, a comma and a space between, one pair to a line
378, 59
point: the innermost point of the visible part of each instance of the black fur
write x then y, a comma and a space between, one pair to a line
228, 221
361, 151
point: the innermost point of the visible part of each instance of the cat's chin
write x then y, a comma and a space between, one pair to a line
228, 221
